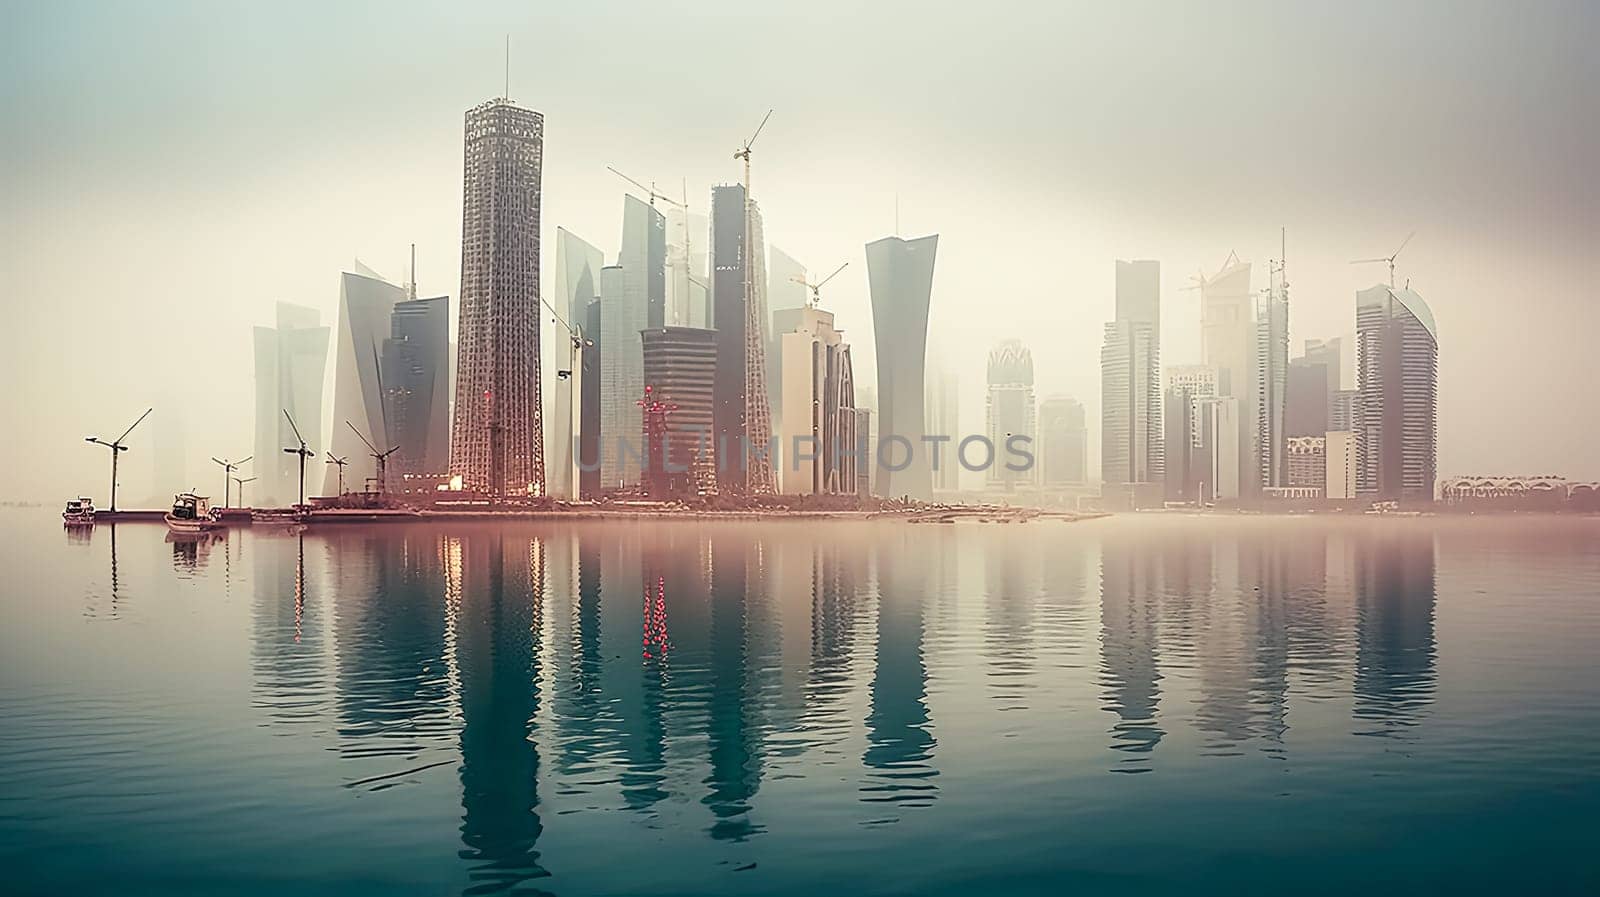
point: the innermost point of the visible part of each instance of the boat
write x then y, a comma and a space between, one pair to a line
192, 514
79, 512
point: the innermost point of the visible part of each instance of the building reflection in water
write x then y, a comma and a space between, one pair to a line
899, 741
497, 656
289, 674
1395, 650
733, 722
1129, 674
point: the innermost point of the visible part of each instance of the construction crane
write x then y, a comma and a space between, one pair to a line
758, 414
1387, 258
228, 467
117, 448
303, 452
340, 463
681, 206
381, 457
651, 190
816, 297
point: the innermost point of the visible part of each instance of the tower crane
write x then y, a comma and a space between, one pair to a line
816, 297
1387, 258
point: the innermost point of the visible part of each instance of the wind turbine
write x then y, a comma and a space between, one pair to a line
302, 451
1387, 258
228, 467
241, 481
380, 457
816, 297
117, 448
340, 462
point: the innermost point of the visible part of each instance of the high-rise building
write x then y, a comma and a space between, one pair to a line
1342, 409
633, 293
1132, 457
291, 360
578, 267
1272, 379
817, 438
497, 440
943, 418
1308, 410
688, 291
1219, 437
680, 366
589, 435
366, 311
1397, 350
415, 372
1186, 386
1063, 452
741, 418
1339, 449
1228, 343
786, 303
900, 278
1010, 412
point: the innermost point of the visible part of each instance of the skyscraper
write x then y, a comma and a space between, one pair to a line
1185, 467
1063, 442
1228, 343
633, 294
291, 360
742, 421
944, 419
680, 366
1272, 380
415, 373
1010, 411
1219, 465
1132, 460
497, 441
577, 284
900, 277
787, 301
818, 426
1397, 350
366, 310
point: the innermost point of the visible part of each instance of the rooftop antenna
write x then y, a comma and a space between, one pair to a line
413, 271
1388, 258
228, 467
508, 66
380, 457
341, 462
117, 448
303, 452
897, 213
816, 298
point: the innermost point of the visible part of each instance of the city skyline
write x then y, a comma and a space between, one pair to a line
1448, 262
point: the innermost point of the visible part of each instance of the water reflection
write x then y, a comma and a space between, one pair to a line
684, 669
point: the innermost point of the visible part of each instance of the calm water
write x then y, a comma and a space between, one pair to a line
1128, 706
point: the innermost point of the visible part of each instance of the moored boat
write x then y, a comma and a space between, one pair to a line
79, 512
192, 514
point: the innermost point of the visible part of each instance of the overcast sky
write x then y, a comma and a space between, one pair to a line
169, 171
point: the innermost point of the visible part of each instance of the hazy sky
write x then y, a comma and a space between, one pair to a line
169, 171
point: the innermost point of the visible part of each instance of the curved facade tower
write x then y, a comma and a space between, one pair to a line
497, 441
1397, 411
578, 266
900, 275
366, 310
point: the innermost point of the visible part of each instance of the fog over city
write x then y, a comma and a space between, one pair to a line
169, 174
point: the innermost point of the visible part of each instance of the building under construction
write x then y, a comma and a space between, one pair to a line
741, 415
497, 441
680, 368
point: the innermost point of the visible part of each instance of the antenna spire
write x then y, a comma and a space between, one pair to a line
508, 66
413, 270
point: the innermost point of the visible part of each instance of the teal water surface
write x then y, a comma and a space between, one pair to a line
1137, 705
